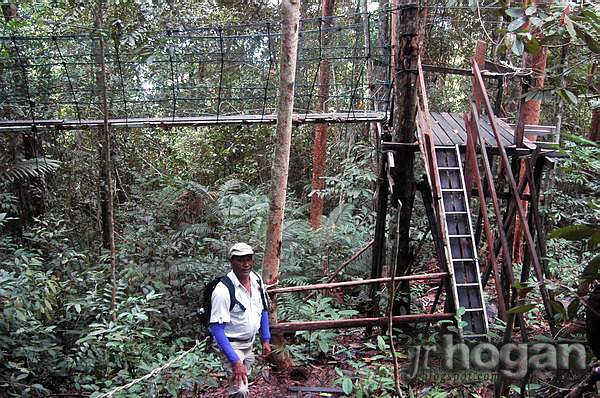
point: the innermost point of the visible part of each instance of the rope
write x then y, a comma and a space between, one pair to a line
222, 55
151, 374
173, 82
117, 40
318, 67
71, 89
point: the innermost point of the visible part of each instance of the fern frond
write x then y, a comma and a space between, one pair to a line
24, 169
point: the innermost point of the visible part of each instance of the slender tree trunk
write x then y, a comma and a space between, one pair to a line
594, 86
320, 139
106, 179
595, 127
290, 16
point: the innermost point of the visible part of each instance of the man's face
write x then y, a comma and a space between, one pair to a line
242, 265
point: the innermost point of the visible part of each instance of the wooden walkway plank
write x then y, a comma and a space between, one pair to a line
457, 128
489, 140
439, 131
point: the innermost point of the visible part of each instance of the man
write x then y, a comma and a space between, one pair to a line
234, 331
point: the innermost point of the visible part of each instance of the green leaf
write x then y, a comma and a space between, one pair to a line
532, 45
381, 343
591, 42
514, 12
572, 308
516, 24
574, 232
347, 385
521, 309
529, 11
570, 27
571, 97
558, 307
535, 21
518, 47
591, 270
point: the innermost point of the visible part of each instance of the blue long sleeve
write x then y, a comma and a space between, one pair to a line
265, 331
218, 332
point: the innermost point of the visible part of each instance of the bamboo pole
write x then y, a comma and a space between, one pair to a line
322, 286
357, 322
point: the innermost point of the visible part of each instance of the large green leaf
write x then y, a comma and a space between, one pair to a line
520, 309
516, 24
575, 232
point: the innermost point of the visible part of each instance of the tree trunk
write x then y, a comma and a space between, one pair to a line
595, 131
594, 86
106, 180
320, 140
408, 49
290, 16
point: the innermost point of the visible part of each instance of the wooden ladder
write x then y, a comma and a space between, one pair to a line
459, 241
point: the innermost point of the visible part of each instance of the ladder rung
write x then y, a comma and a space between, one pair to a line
456, 212
455, 260
473, 309
459, 236
448, 168
474, 335
451, 189
467, 284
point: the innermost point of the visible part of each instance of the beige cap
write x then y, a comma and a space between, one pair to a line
240, 249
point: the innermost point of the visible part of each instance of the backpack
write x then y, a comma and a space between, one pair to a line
206, 309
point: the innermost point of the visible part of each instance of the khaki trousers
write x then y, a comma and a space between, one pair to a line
245, 353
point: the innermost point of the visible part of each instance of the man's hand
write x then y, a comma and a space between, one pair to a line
266, 348
239, 373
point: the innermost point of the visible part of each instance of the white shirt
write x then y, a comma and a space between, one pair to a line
238, 324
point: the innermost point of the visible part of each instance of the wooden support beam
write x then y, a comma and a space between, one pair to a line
400, 146
322, 286
506, 257
285, 327
379, 244
483, 210
520, 210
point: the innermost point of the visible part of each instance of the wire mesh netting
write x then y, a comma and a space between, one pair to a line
203, 72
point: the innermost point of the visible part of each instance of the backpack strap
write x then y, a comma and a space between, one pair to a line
229, 284
262, 292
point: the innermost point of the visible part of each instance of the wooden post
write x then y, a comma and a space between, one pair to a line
320, 138
478, 57
379, 246
290, 17
404, 126
483, 212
